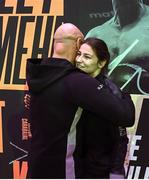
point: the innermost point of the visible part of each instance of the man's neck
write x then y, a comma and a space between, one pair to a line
62, 57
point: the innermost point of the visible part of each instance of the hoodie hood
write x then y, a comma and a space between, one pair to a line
44, 72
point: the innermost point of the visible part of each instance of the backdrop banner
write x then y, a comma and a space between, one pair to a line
26, 31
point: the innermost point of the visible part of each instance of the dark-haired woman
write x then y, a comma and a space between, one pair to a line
100, 146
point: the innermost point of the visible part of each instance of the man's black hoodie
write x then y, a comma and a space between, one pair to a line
57, 89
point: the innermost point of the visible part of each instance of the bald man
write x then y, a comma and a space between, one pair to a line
57, 89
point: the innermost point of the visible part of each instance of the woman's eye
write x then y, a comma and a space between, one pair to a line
87, 57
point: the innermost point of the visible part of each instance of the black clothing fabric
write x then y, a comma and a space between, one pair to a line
101, 146
57, 88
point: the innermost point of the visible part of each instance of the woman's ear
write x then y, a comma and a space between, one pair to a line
101, 64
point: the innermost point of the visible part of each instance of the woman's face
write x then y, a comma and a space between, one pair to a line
87, 60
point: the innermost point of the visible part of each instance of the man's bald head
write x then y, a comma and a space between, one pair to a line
67, 41
68, 31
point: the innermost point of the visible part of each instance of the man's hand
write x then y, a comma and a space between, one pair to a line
114, 88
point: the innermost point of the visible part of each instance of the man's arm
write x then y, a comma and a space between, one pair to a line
90, 94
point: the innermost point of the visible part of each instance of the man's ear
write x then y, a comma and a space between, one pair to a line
101, 64
79, 42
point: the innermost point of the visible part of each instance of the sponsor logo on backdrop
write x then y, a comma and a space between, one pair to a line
96, 15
